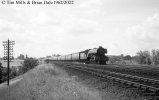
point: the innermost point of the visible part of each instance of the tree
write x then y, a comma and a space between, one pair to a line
122, 55
148, 61
127, 57
144, 57
155, 56
26, 56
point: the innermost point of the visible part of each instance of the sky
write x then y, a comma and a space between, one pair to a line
121, 26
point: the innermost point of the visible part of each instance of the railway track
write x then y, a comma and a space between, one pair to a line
149, 86
141, 72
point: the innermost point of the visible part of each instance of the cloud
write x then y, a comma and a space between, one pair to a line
66, 29
142, 36
145, 35
6, 26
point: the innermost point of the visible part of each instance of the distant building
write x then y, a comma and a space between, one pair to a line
21, 57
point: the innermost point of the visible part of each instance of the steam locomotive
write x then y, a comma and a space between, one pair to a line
89, 56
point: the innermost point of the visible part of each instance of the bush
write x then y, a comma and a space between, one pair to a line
28, 64
115, 59
47, 61
4, 74
0, 72
13, 72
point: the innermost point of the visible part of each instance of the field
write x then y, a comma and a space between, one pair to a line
15, 63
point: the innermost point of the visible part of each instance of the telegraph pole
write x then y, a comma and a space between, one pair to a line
8, 54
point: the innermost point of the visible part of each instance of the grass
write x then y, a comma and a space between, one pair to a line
47, 82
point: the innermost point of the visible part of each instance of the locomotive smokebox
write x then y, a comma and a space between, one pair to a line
97, 55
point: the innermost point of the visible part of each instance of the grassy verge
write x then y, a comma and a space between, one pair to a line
47, 82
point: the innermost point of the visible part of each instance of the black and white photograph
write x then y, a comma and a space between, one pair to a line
79, 49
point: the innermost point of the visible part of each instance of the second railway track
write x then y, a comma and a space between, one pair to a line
148, 85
